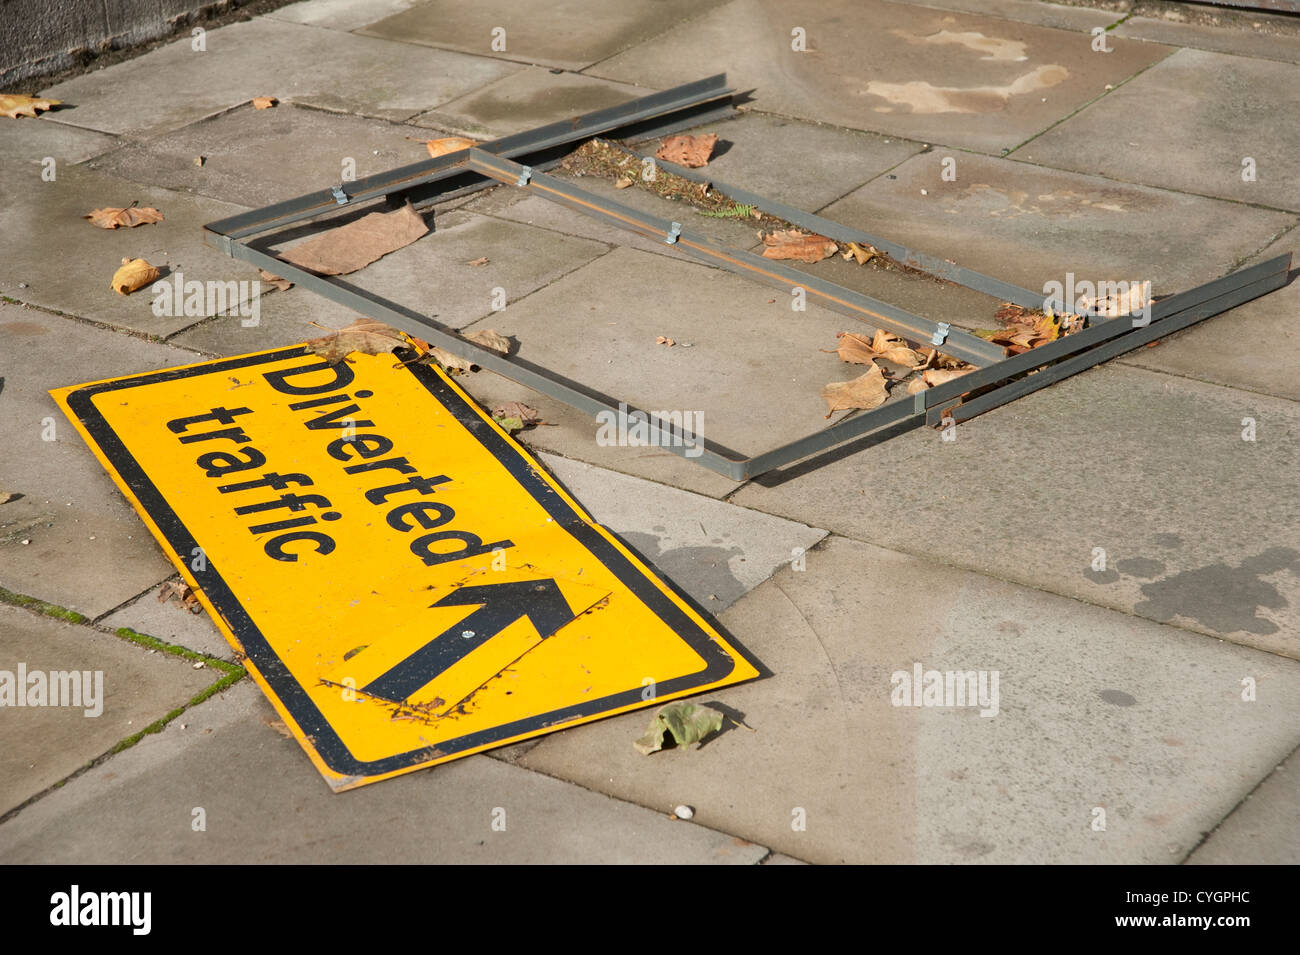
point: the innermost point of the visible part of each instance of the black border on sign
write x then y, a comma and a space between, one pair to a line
290, 692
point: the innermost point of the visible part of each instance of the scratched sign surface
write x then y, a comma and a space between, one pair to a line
407, 584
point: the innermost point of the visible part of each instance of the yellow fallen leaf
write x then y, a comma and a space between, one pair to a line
264, 102
110, 218
134, 274
450, 144
863, 255
14, 105
865, 391
623, 183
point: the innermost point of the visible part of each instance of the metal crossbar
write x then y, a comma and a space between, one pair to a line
996, 381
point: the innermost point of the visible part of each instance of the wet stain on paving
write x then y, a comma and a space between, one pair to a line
1218, 596
1143, 567
704, 572
1118, 697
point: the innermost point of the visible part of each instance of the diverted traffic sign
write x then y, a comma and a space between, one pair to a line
407, 585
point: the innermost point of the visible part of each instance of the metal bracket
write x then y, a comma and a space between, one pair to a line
940, 334
674, 234
525, 174
340, 196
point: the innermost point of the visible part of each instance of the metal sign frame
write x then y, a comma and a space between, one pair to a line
518, 160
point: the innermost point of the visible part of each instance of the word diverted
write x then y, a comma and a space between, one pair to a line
368, 454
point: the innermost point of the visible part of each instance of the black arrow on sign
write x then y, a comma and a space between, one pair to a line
501, 605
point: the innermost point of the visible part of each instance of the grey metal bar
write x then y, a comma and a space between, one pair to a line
415, 174
1005, 291
1037, 357
876, 313
1117, 346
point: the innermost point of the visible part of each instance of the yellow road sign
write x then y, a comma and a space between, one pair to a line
407, 584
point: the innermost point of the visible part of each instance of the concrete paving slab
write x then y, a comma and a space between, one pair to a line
930, 75
1191, 123
520, 260
340, 14
141, 806
1030, 225
64, 263
175, 85
1255, 347
87, 548
171, 623
716, 552
572, 35
256, 157
1263, 830
25, 147
525, 100
805, 165
1095, 710
1271, 44
744, 360
116, 690
1144, 471
1028, 11
571, 433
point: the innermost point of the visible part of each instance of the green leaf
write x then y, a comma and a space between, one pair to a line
511, 425
684, 722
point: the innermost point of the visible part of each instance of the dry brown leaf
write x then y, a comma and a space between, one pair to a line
894, 348
481, 260
490, 339
665, 341
282, 284
449, 144
689, 151
134, 274
856, 349
624, 182
865, 391
938, 376
452, 364
863, 255
264, 102
353, 246
14, 105
364, 335
793, 244
181, 592
1009, 312
131, 216
915, 385
516, 409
